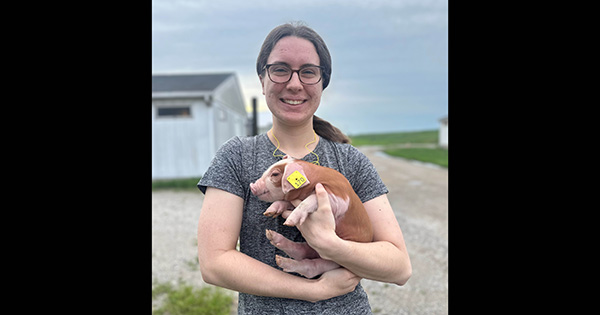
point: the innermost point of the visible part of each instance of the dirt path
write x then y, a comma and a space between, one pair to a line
418, 195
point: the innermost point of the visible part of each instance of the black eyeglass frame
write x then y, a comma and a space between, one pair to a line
266, 68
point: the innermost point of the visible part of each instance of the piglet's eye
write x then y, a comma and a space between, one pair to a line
274, 174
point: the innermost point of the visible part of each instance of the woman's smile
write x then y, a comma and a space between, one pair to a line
292, 101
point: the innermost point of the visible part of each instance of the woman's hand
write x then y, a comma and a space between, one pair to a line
336, 282
319, 227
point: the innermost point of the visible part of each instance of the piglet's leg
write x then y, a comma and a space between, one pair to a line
295, 250
309, 268
277, 208
306, 207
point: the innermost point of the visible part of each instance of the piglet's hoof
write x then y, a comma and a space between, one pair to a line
277, 208
305, 267
296, 218
285, 263
274, 237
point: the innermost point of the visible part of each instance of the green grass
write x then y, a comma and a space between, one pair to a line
390, 142
428, 136
436, 156
176, 184
185, 299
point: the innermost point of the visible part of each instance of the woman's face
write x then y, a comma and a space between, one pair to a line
292, 103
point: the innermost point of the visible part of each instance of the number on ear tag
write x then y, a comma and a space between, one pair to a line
296, 179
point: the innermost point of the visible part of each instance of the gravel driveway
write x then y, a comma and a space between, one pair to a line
418, 195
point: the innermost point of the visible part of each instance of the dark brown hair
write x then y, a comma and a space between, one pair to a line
328, 131
322, 127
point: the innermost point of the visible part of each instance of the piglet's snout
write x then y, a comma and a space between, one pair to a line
254, 188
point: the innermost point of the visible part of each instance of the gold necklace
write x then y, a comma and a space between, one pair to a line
305, 146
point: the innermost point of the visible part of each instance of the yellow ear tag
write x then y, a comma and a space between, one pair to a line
296, 179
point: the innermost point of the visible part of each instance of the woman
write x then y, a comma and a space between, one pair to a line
294, 67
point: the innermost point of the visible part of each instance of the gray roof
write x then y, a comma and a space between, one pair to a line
187, 82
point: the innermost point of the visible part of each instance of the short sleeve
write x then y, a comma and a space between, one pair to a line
364, 178
224, 171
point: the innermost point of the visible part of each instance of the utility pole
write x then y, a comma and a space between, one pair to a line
254, 117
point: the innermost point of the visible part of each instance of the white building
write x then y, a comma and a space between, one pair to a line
192, 116
444, 132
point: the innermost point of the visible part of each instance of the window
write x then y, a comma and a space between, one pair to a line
174, 112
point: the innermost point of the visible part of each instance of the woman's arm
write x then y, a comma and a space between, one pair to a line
385, 259
222, 265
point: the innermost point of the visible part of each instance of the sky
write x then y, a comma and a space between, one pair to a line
389, 57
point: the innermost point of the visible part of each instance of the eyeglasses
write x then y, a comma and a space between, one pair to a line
281, 73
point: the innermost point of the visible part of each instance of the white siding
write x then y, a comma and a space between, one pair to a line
228, 123
180, 144
229, 112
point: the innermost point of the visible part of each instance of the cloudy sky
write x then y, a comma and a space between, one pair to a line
389, 57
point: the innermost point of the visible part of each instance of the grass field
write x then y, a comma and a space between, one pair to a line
178, 184
390, 141
429, 136
186, 299
435, 155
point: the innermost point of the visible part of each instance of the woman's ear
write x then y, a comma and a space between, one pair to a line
262, 83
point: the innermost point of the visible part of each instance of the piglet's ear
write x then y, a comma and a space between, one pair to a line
294, 177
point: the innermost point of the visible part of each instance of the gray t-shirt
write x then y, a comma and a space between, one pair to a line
241, 161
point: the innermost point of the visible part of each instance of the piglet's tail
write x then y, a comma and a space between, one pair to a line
326, 130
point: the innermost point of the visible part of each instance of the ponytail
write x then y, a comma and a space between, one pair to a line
326, 130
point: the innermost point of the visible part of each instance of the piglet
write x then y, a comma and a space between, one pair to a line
290, 183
